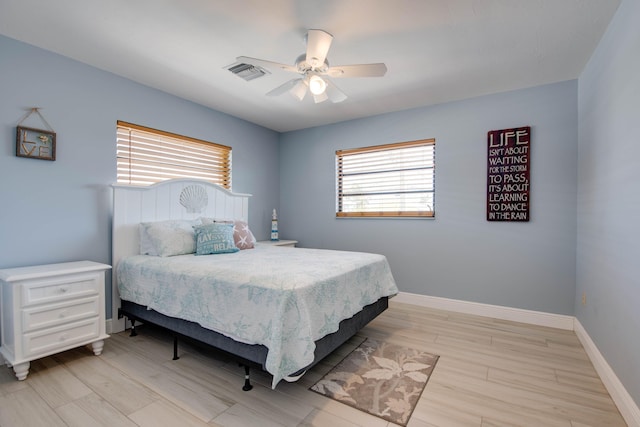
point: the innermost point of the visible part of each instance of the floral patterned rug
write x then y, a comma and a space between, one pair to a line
385, 380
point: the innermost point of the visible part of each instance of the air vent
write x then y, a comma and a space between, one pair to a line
247, 71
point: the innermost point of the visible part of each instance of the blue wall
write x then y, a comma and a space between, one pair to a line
459, 254
608, 255
61, 211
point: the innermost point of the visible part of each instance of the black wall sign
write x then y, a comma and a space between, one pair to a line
508, 186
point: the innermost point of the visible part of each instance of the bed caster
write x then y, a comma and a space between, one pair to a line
133, 329
247, 382
175, 348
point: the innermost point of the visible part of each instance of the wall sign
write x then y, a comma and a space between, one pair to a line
508, 186
35, 143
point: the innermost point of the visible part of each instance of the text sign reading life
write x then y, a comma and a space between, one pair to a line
508, 186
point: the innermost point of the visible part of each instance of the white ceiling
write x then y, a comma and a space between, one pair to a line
435, 50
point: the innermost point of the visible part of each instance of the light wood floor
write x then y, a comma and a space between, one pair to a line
490, 373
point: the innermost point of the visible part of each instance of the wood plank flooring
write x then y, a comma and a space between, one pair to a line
490, 373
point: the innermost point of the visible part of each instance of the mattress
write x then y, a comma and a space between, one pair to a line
282, 298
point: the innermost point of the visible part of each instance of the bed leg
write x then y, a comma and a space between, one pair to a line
175, 348
247, 382
133, 328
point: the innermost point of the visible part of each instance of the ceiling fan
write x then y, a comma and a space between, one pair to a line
315, 71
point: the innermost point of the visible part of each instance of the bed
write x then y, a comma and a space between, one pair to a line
281, 309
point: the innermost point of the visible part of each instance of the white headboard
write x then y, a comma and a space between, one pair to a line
172, 199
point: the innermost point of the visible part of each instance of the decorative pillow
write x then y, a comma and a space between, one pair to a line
168, 238
242, 235
216, 238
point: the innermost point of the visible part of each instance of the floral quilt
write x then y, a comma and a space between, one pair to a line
282, 298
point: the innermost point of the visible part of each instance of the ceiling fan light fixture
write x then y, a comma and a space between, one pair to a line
317, 85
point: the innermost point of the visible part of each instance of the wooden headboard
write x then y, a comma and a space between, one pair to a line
172, 199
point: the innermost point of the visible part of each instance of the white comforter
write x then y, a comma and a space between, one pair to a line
282, 298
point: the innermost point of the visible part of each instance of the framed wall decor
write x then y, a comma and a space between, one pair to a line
35, 143
508, 174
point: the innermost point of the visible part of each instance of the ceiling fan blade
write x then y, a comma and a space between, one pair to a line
318, 44
359, 70
333, 93
300, 89
266, 64
320, 98
284, 87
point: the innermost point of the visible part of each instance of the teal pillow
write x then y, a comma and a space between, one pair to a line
216, 238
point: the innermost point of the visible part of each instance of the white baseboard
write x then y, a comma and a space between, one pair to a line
627, 407
625, 403
539, 318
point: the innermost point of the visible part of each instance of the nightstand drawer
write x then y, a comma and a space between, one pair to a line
60, 338
61, 289
55, 314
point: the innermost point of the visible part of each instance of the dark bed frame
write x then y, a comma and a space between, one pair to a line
247, 354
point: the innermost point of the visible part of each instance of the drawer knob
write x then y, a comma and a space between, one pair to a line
64, 289
63, 314
63, 337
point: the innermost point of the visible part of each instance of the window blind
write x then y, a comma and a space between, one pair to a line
393, 180
146, 156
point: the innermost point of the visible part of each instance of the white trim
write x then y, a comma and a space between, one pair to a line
625, 403
627, 407
539, 318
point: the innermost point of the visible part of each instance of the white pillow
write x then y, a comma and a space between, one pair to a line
168, 238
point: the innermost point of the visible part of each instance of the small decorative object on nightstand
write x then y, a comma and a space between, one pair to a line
274, 226
51, 308
288, 243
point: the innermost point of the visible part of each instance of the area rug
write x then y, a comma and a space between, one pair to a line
385, 380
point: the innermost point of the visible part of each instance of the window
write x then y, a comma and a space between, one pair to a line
393, 180
146, 156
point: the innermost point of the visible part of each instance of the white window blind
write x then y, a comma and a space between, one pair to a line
393, 180
146, 156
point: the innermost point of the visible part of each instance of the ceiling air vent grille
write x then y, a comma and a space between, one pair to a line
247, 71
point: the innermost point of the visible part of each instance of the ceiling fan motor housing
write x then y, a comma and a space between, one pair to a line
304, 67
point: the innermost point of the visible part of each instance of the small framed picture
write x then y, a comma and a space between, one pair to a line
35, 143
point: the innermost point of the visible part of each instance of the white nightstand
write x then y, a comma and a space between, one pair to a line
288, 243
51, 308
